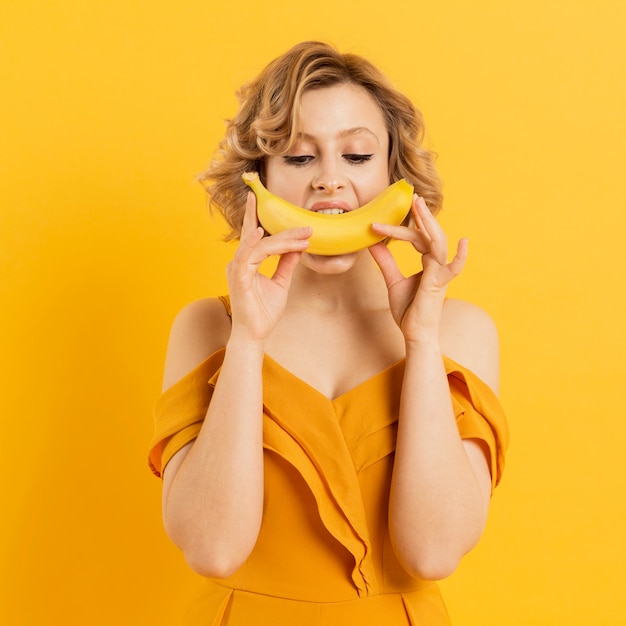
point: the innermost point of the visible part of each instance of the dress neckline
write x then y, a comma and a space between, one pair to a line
370, 379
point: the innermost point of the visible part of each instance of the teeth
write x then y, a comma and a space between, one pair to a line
334, 211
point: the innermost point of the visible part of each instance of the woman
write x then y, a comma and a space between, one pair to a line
328, 436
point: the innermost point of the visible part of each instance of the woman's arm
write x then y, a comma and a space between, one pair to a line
213, 487
441, 484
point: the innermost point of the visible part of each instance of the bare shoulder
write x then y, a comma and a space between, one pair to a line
199, 329
469, 336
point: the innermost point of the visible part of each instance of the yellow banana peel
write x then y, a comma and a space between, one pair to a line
333, 234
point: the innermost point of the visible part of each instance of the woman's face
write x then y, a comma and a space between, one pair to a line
340, 157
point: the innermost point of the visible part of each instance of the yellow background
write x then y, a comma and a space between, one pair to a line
108, 108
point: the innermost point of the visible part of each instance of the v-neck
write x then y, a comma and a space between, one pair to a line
355, 388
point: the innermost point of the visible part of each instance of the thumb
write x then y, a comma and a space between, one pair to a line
283, 273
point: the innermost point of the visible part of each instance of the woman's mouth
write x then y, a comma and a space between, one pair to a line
335, 207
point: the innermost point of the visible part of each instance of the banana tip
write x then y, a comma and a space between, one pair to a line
249, 176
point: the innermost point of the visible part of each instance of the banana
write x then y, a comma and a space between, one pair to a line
333, 234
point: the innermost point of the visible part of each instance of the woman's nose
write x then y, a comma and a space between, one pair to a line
329, 180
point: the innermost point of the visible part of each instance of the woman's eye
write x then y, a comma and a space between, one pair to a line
301, 159
357, 158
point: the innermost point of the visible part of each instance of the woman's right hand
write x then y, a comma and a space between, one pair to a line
257, 301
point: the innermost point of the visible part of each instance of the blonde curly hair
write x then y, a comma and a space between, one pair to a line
267, 121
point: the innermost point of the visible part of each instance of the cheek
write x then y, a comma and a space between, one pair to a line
275, 182
287, 183
268, 173
373, 186
286, 188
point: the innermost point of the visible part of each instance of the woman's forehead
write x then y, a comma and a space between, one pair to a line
346, 110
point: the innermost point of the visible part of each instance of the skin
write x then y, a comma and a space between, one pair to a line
334, 322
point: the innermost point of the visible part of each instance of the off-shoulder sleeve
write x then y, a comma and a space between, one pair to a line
180, 410
479, 415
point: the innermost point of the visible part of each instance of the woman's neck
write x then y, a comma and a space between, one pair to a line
360, 287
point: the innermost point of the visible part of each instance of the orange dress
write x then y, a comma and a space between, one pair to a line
323, 555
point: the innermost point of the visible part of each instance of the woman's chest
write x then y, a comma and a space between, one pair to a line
334, 354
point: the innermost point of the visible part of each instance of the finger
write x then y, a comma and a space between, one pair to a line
416, 233
271, 247
291, 240
404, 233
387, 264
248, 243
250, 220
417, 218
266, 247
285, 268
458, 262
253, 239
428, 224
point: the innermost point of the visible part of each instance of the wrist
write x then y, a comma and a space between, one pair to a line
426, 341
240, 341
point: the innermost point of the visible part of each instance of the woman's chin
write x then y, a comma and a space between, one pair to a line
335, 263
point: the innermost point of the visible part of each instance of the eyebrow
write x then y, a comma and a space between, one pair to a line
357, 130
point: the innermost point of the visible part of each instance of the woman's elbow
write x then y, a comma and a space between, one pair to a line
431, 566
212, 552
214, 563
429, 559
209, 555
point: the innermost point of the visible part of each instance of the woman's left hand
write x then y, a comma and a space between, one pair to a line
416, 301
